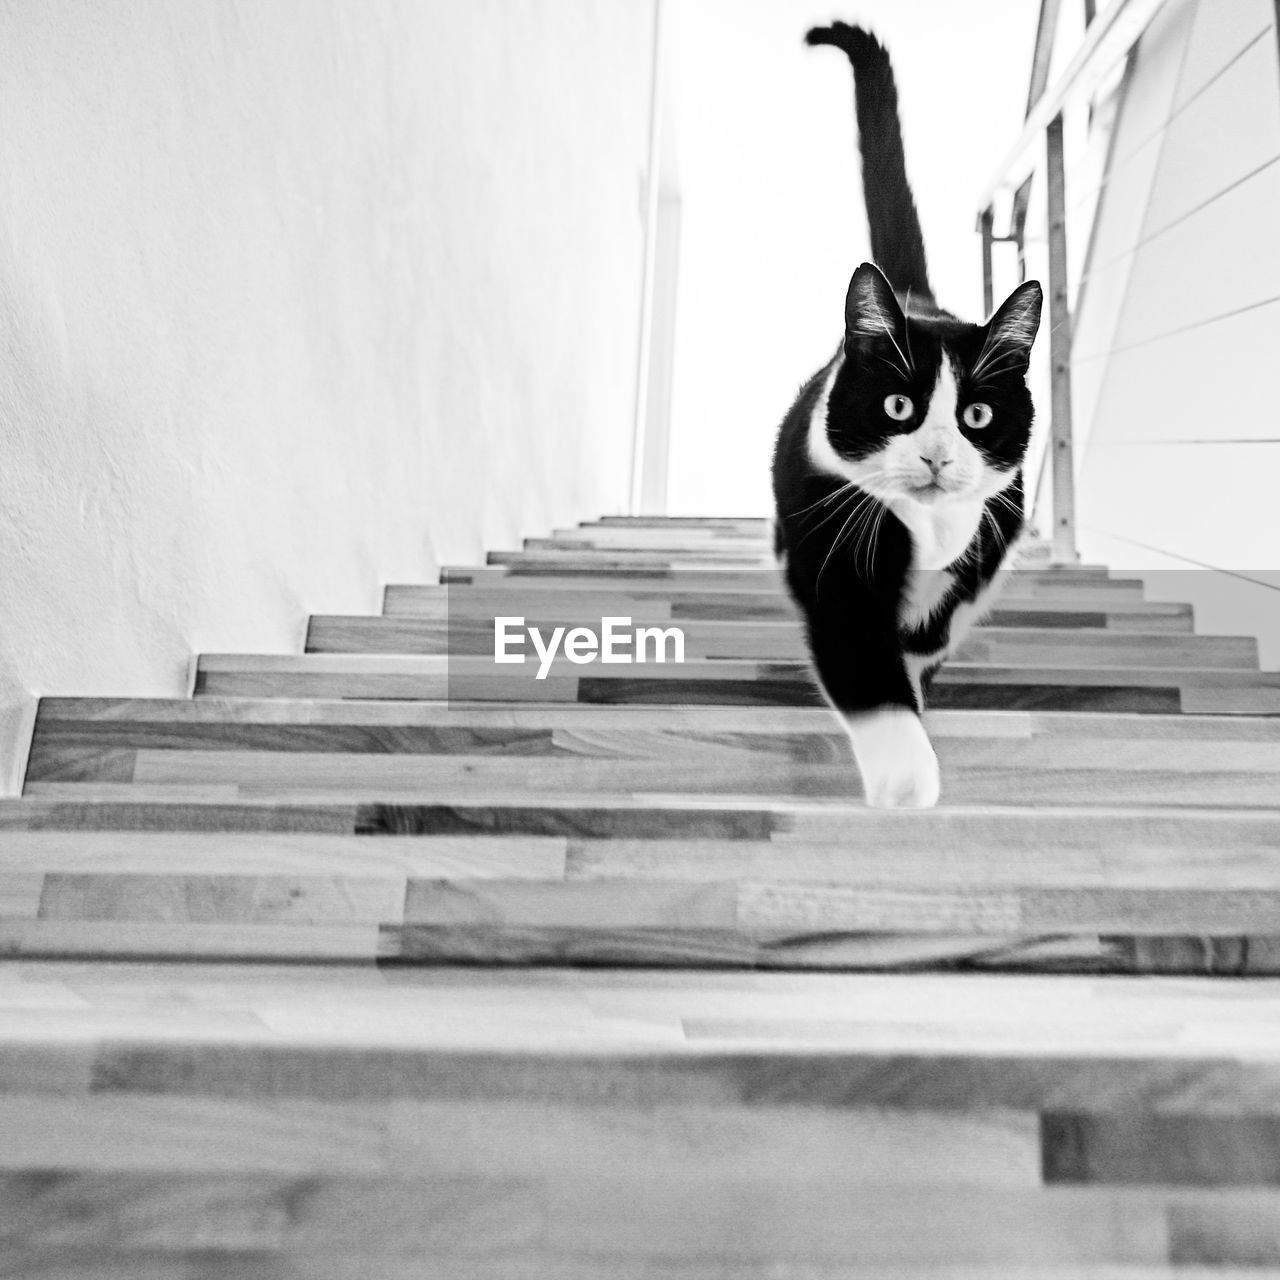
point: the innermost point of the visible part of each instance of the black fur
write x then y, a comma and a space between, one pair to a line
848, 558
897, 243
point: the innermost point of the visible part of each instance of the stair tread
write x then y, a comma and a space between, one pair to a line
675, 1014
1008, 848
107, 712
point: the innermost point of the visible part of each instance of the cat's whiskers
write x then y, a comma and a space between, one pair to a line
906, 329
853, 532
835, 493
872, 537
908, 366
838, 509
1008, 503
901, 370
859, 508
865, 518
988, 518
863, 530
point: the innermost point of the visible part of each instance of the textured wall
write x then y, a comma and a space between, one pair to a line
295, 299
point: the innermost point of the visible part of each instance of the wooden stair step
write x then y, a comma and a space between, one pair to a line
471, 630
598, 577
1021, 848
1161, 906
412, 600
638, 818
625, 881
978, 1043
1117, 777
717, 555
1010, 848
625, 566
700, 681
452, 751
693, 543
553, 558
607, 542
761, 523
317, 724
758, 526
654, 542
880, 1124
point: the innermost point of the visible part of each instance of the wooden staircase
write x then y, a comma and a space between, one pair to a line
364, 962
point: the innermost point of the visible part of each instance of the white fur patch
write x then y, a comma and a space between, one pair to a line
821, 451
896, 759
941, 532
940, 418
926, 591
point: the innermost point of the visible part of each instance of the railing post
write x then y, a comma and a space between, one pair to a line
1064, 485
986, 225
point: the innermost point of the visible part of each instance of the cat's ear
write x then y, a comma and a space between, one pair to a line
1013, 327
870, 309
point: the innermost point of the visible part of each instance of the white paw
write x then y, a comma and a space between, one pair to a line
896, 759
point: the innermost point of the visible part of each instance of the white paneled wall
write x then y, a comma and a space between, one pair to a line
1147, 97
1177, 327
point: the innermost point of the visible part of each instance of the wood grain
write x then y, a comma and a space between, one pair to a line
365, 961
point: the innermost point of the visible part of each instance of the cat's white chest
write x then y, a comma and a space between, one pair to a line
924, 592
939, 533
939, 536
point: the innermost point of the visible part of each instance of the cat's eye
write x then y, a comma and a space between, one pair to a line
977, 416
899, 408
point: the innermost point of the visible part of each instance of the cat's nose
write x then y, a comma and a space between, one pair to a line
935, 464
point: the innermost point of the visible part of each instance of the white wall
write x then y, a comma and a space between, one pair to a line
297, 298
774, 222
1179, 324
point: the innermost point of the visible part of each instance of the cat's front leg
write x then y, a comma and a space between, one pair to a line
897, 762
864, 676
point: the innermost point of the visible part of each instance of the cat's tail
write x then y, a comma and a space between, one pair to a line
897, 244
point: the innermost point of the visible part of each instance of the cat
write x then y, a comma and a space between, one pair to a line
897, 474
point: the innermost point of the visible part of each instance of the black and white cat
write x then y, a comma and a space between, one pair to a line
898, 471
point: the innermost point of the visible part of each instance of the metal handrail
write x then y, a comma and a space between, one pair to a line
1107, 41
1109, 38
